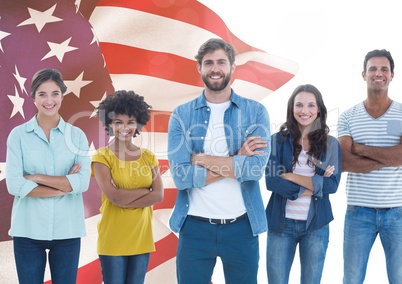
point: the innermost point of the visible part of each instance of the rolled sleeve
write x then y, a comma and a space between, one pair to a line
318, 182
238, 162
281, 152
252, 168
26, 188
249, 168
184, 174
80, 181
327, 185
199, 177
17, 185
285, 188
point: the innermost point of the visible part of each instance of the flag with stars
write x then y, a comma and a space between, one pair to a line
106, 45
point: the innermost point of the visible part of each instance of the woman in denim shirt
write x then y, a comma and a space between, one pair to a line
303, 169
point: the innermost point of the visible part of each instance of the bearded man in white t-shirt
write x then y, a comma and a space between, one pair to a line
218, 148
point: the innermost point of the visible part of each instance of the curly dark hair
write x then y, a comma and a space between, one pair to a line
124, 102
319, 129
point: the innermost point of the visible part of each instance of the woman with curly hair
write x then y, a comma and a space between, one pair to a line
131, 183
303, 169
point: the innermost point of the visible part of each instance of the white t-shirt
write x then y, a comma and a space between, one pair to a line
222, 199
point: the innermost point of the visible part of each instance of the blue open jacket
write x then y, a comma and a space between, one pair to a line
280, 161
188, 125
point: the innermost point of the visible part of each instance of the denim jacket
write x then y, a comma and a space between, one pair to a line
187, 128
280, 161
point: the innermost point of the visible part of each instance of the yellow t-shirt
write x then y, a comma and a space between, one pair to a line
126, 231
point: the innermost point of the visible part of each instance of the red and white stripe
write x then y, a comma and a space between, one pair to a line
149, 47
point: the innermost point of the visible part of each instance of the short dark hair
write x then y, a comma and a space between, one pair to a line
45, 75
124, 102
215, 44
379, 53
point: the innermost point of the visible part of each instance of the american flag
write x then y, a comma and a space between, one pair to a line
107, 45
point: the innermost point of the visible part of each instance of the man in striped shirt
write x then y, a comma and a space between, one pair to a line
370, 138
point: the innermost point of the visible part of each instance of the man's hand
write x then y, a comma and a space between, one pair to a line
197, 159
250, 145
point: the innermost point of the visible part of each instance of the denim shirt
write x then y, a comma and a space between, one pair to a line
187, 128
280, 161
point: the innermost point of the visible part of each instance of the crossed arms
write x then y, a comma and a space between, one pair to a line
305, 181
50, 186
129, 198
222, 167
360, 158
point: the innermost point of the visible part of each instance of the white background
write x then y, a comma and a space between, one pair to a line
328, 39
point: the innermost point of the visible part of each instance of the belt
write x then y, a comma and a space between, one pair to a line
219, 221
380, 209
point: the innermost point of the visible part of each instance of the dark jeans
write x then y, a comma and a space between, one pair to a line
30, 259
200, 243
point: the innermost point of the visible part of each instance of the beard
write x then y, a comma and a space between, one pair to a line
216, 86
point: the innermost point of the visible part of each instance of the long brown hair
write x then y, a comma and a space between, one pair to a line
319, 130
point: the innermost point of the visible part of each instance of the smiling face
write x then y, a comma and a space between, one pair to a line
305, 109
378, 74
124, 127
48, 99
216, 70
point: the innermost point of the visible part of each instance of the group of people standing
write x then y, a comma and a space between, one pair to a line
219, 148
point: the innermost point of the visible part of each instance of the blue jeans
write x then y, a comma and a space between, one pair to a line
130, 269
30, 260
200, 243
281, 249
362, 225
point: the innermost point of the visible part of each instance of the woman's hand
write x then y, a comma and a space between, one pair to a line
307, 192
329, 171
75, 169
33, 178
